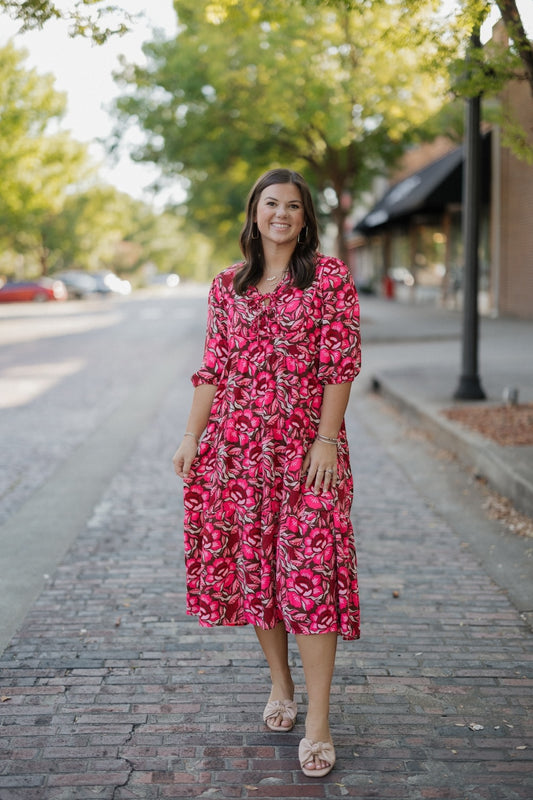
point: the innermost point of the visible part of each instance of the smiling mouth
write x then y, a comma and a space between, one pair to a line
280, 226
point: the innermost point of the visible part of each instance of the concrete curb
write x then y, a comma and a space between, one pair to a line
472, 450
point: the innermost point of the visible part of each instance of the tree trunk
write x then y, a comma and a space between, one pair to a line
516, 31
339, 216
43, 260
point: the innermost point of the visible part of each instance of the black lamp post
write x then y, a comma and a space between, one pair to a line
469, 387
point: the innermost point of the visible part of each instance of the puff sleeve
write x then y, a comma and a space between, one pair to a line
216, 341
340, 341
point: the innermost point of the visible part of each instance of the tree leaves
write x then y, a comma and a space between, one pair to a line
245, 86
94, 19
37, 166
53, 212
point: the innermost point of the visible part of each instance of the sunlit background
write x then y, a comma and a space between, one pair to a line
85, 72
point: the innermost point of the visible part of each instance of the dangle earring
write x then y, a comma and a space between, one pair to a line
304, 230
255, 231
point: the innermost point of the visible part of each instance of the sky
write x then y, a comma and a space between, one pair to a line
84, 71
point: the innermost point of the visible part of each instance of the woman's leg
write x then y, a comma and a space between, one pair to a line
317, 652
275, 647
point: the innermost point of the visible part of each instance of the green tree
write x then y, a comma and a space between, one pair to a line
94, 19
163, 240
53, 213
87, 230
102, 228
449, 28
447, 37
520, 42
490, 67
245, 86
38, 165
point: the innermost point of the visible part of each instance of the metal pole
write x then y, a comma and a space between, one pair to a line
469, 387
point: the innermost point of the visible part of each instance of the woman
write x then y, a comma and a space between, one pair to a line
268, 489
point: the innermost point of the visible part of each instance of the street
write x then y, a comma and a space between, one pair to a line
109, 691
65, 367
78, 382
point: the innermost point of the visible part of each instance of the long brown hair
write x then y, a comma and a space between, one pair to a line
303, 259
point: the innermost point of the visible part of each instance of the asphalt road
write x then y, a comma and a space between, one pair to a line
78, 383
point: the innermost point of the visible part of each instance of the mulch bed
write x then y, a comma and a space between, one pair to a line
508, 425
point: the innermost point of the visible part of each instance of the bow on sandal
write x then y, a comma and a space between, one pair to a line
309, 751
273, 709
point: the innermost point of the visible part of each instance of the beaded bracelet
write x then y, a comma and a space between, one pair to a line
326, 439
190, 433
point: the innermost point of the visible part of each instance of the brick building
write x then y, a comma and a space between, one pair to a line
511, 217
410, 241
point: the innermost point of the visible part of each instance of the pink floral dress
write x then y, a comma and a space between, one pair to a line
259, 547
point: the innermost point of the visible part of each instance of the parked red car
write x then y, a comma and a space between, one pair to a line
36, 291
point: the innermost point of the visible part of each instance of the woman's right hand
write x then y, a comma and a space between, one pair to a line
184, 456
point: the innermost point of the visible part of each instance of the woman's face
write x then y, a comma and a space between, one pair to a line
280, 214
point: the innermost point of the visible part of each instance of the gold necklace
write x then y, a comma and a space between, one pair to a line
277, 277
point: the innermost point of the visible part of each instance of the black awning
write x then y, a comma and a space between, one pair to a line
430, 189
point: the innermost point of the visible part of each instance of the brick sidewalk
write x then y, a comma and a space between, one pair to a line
110, 691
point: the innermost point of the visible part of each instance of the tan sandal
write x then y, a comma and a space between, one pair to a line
287, 708
309, 750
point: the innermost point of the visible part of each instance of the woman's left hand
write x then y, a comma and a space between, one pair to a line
320, 465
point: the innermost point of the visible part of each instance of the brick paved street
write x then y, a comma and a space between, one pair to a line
110, 691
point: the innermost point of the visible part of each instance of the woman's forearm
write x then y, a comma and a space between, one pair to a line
202, 401
320, 462
334, 403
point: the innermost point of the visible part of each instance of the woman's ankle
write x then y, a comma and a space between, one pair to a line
317, 728
282, 688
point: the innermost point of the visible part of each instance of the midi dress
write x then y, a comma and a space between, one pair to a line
260, 548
